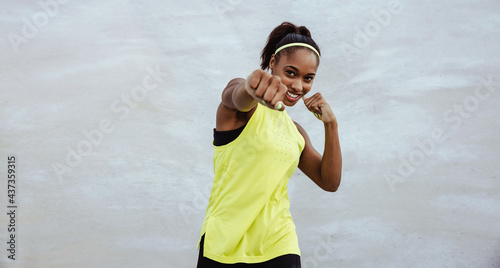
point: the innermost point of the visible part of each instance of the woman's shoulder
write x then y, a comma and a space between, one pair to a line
301, 130
299, 127
230, 119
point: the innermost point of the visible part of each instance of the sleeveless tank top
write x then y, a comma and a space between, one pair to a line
248, 219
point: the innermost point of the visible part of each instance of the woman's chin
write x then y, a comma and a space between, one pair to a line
290, 103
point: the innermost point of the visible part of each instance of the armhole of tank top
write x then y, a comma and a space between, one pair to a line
243, 131
225, 137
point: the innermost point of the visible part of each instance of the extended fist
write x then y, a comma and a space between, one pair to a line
266, 88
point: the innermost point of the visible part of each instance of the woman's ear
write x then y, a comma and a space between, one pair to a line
272, 62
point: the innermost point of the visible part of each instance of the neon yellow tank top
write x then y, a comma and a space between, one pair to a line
248, 218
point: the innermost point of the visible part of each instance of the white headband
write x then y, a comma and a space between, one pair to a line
297, 44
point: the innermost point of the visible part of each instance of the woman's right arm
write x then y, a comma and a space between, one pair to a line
233, 111
236, 97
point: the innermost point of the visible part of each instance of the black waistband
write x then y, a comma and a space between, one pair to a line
288, 261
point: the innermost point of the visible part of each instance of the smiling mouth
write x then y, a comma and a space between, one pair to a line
292, 97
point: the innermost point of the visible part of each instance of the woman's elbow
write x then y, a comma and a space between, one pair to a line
333, 185
331, 189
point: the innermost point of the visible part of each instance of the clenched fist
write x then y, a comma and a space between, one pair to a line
320, 108
266, 89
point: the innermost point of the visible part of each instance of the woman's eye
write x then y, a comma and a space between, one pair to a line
290, 73
309, 79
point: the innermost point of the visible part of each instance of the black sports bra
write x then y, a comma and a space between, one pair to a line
225, 137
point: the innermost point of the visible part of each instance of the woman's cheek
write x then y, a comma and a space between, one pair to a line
307, 88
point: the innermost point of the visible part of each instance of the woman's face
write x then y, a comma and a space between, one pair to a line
297, 72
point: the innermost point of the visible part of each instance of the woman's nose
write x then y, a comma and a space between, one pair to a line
297, 85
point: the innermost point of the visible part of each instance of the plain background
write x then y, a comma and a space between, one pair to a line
137, 196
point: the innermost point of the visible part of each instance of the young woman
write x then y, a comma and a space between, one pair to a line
257, 147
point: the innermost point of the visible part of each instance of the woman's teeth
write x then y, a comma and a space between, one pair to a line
291, 95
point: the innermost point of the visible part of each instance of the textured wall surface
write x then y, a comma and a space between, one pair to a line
109, 108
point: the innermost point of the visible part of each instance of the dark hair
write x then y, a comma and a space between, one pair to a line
284, 34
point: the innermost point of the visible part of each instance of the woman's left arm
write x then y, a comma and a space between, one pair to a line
324, 170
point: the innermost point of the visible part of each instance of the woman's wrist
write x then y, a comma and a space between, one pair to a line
331, 124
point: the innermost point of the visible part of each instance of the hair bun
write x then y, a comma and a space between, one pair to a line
304, 31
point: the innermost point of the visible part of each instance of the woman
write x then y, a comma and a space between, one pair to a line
257, 147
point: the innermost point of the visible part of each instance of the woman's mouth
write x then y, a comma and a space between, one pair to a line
292, 97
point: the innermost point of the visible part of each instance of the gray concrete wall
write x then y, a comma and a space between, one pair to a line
110, 174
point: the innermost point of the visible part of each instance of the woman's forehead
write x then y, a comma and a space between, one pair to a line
304, 60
